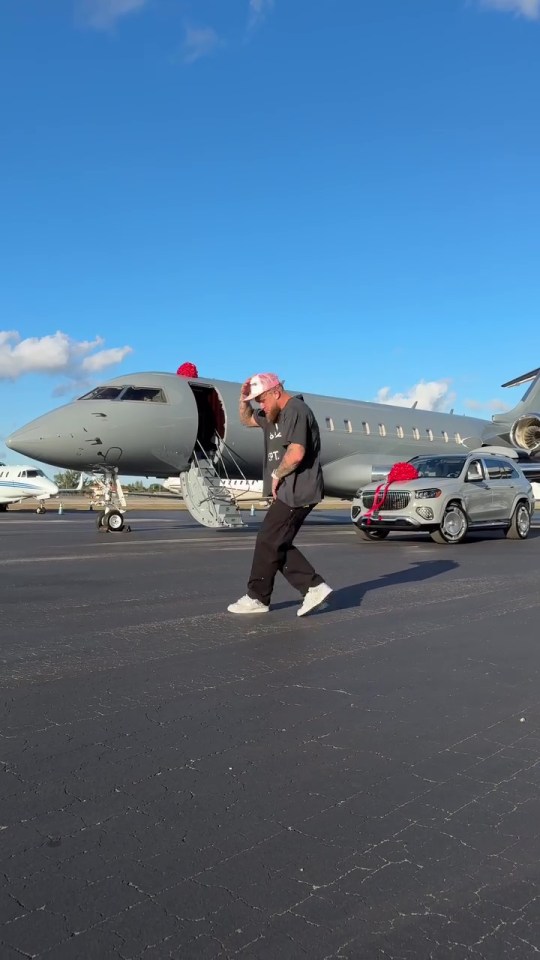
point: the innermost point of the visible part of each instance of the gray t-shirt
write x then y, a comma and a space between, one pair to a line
296, 424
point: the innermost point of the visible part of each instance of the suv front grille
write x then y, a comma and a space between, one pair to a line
395, 500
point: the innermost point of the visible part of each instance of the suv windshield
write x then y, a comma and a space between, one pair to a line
438, 466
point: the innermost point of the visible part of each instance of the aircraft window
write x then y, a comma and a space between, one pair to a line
399, 431
330, 423
445, 436
103, 393
457, 437
416, 433
150, 394
348, 426
365, 428
382, 430
429, 433
21, 473
34, 473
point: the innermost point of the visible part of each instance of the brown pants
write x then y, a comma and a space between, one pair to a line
274, 551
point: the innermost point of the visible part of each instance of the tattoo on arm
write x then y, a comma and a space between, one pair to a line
245, 411
292, 459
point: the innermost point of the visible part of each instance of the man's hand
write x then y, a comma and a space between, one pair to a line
275, 484
245, 389
244, 406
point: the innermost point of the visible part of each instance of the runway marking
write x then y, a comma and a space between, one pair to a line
140, 549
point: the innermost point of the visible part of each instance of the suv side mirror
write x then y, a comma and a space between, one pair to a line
473, 476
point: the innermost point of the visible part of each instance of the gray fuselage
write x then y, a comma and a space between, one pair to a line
149, 424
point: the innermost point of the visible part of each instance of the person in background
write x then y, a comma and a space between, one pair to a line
293, 476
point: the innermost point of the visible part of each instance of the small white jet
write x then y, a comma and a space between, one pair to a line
22, 482
237, 488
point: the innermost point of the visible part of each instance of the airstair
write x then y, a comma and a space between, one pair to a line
207, 500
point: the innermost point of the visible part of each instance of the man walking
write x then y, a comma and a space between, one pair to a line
292, 472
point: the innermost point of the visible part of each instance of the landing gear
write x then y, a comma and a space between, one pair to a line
109, 498
40, 509
110, 520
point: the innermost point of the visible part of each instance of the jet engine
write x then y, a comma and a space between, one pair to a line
525, 432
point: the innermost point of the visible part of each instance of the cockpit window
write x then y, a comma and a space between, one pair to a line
439, 466
35, 473
151, 394
103, 393
126, 392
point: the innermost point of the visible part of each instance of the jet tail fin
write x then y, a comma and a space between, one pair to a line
530, 401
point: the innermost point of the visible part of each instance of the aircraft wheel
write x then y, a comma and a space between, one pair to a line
520, 523
114, 521
454, 526
100, 518
3, 507
40, 510
366, 534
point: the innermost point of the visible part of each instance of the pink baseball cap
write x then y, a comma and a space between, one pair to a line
260, 383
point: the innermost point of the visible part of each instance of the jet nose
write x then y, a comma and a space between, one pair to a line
30, 442
43, 439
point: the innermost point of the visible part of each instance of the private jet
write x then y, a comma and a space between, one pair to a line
164, 424
22, 482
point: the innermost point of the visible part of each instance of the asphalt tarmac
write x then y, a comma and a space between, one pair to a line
362, 783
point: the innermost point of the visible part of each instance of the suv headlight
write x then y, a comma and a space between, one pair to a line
428, 494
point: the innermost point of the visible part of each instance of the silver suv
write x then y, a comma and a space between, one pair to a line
453, 495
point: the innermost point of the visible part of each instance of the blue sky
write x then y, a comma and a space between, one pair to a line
344, 191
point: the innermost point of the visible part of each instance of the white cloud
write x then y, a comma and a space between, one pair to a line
104, 358
431, 395
530, 9
258, 10
491, 406
102, 14
200, 42
55, 354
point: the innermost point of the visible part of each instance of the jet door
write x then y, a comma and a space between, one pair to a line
211, 429
206, 498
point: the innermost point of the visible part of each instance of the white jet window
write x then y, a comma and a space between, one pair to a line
329, 423
365, 428
400, 433
382, 430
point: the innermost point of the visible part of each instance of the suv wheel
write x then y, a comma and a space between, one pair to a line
366, 534
454, 526
520, 523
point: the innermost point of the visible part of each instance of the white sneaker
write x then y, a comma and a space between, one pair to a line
247, 605
313, 598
